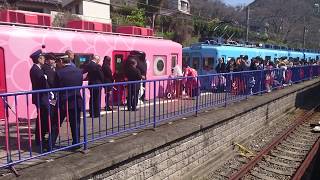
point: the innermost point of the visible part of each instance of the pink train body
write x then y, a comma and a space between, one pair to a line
17, 43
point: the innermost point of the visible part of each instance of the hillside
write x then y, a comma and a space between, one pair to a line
286, 20
271, 21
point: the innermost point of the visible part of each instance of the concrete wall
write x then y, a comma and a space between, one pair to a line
93, 11
98, 10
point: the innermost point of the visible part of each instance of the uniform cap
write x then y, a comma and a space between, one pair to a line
34, 56
50, 56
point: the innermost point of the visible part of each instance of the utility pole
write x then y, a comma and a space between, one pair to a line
304, 33
304, 37
248, 23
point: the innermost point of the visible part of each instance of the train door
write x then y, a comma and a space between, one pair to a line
119, 59
3, 87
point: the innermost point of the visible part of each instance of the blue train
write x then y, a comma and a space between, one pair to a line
204, 56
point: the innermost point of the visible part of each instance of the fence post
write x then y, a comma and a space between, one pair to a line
197, 99
154, 103
85, 138
246, 84
260, 86
226, 91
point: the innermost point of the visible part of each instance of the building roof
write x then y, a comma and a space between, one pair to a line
46, 1
55, 2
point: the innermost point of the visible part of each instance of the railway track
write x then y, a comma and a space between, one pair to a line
286, 157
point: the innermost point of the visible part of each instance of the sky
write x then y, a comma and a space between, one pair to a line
237, 2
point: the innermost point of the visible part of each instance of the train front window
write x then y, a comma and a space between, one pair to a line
208, 63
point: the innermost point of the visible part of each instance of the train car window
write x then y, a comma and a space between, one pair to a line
119, 62
208, 63
159, 65
268, 58
196, 63
174, 60
82, 59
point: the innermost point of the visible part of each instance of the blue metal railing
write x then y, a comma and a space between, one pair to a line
64, 123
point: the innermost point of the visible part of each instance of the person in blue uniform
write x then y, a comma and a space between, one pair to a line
49, 69
133, 74
95, 76
70, 101
40, 100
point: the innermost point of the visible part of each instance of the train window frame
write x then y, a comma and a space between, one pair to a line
210, 65
89, 56
118, 65
156, 65
76, 56
175, 61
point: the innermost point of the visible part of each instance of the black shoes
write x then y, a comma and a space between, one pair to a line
109, 109
95, 116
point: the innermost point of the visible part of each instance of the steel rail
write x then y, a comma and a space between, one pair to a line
246, 168
306, 163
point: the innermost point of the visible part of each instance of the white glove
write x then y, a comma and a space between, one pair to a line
51, 95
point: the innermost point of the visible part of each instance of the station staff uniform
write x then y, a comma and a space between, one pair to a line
70, 101
40, 100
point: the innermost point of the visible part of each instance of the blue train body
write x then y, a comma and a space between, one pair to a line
204, 57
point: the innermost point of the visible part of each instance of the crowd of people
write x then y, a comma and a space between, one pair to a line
242, 63
50, 71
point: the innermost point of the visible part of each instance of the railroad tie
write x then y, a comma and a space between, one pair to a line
277, 171
261, 176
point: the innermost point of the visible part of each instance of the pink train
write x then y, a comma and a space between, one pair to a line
18, 41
